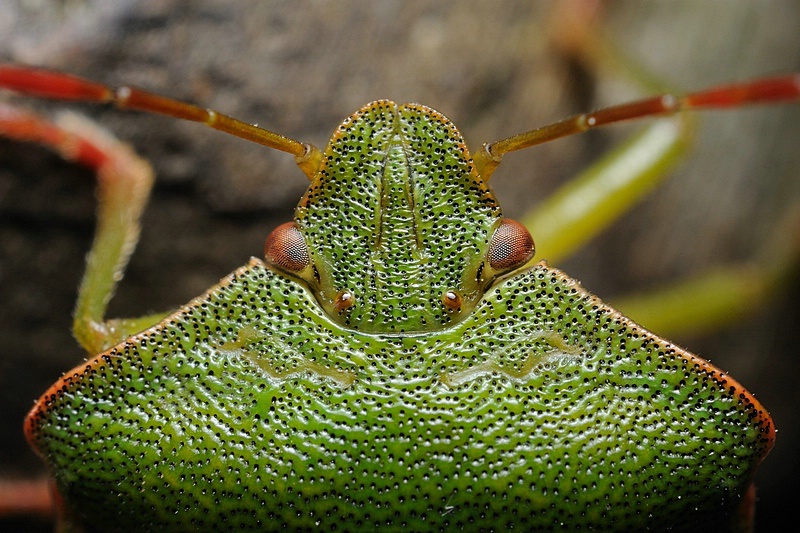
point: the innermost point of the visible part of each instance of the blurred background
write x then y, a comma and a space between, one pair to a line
300, 67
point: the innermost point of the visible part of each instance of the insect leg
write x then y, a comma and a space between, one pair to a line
28, 496
589, 203
720, 295
124, 183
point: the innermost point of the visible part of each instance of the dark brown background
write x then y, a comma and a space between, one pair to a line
300, 67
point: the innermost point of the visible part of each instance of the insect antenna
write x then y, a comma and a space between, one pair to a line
783, 88
60, 86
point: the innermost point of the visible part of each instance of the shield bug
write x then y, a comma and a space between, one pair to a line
393, 361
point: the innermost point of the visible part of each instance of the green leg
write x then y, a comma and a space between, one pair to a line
594, 199
721, 295
583, 208
124, 183
597, 197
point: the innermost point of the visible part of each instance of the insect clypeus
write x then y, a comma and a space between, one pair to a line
391, 362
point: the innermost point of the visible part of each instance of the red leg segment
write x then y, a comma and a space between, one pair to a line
124, 183
29, 496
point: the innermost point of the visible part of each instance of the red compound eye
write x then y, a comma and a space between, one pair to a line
511, 246
286, 248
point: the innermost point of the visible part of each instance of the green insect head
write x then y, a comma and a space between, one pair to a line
398, 232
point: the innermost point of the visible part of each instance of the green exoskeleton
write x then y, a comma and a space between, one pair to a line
394, 362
